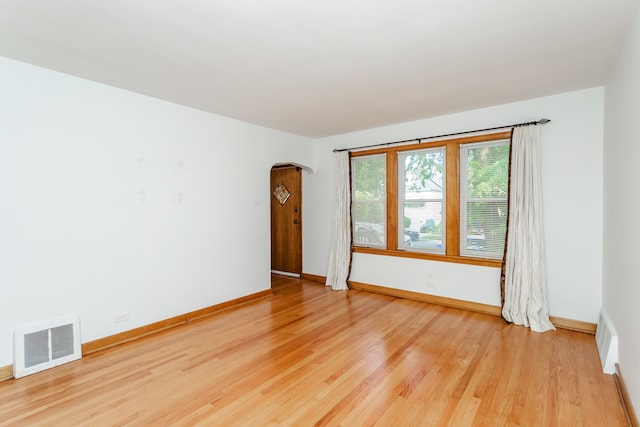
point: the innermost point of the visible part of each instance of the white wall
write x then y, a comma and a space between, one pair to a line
572, 185
117, 202
622, 209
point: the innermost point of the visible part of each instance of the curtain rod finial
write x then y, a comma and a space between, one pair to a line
544, 121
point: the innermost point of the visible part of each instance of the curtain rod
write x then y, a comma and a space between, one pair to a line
539, 122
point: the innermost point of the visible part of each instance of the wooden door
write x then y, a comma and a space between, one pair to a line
286, 219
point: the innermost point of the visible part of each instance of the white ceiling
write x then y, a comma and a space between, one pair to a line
318, 68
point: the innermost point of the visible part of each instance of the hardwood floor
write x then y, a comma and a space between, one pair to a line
311, 356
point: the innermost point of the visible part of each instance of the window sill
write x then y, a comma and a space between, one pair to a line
484, 262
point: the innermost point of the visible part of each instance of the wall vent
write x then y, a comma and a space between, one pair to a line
45, 345
607, 341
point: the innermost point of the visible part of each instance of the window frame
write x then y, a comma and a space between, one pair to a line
452, 200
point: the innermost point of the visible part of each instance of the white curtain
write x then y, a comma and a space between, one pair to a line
340, 255
525, 287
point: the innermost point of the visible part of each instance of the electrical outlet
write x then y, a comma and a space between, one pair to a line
430, 282
120, 317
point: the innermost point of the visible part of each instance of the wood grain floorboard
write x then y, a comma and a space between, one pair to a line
309, 356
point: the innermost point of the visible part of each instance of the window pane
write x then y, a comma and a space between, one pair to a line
421, 200
369, 177
483, 193
486, 228
369, 200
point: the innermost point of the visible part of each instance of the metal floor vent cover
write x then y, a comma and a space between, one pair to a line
45, 345
607, 342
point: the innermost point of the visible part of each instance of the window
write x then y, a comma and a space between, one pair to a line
483, 198
421, 199
443, 200
369, 200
